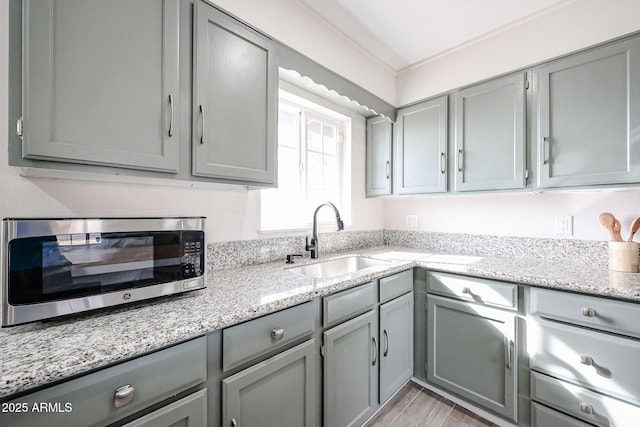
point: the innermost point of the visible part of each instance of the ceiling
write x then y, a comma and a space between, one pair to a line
401, 33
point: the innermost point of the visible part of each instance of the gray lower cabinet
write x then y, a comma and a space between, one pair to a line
472, 353
396, 345
234, 100
420, 154
351, 371
583, 354
122, 391
280, 391
490, 135
379, 146
189, 411
588, 113
89, 95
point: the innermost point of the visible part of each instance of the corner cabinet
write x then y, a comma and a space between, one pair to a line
490, 135
588, 116
472, 347
420, 158
379, 146
89, 95
234, 100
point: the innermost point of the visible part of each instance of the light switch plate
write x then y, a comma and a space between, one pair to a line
412, 221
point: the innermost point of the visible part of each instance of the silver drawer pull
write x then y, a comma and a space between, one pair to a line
586, 360
466, 290
234, 423
277, 334
586, 408
124, 395
588, 312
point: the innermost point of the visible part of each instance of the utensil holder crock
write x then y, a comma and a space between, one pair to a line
623, 256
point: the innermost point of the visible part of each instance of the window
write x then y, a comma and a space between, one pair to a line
313, 166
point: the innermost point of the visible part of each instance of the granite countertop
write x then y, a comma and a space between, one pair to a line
39, 353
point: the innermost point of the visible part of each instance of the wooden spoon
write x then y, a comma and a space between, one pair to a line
616, 230
635, 226
608, 221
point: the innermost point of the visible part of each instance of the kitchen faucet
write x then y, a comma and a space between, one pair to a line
312, 246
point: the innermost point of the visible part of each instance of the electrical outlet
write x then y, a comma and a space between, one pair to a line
564, 224
412, 221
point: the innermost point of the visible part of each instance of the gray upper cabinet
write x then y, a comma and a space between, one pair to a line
379, 145
588, 117
234, 100
420, 156
490, 137
100, 82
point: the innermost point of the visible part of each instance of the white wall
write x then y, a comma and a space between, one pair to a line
575, 25
524, 215
299, 27
232, 214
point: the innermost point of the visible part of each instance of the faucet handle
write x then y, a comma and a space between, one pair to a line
307, 246
290, 258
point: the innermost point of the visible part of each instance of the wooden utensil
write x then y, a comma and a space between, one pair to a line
616, 230
609, 222
635, 226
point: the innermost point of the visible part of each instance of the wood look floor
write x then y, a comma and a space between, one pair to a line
416, 406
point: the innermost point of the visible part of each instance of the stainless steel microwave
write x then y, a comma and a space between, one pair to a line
58, 267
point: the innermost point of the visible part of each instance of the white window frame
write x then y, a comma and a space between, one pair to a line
309, 109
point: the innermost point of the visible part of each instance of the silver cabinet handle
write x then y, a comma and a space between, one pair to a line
586, 360
124, 395
234, 423
375, 351
507, 343
277, 334
588, 312
466, 290
171, 121
545, 150
388, 170
443, 163
386, 343
203, 124
460, 158
586, 408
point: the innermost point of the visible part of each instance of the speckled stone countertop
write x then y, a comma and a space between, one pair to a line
40, 353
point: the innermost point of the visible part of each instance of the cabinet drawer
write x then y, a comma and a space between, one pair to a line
481, 291
91, 398
396, 285
541, 416
581, 403
244, 342
608, 315
346, 304
596, 360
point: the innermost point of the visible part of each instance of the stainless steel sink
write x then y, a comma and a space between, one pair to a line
337, 267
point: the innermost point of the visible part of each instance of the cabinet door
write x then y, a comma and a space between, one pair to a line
396, 341
490, 135
101, 82
277, 392
379, 143
235, 100
189, 411
350, 371
588, 117
472, 353
420, 158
